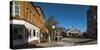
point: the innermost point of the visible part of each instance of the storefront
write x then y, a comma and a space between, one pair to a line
24, 32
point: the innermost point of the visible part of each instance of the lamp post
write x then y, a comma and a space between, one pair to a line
53, 27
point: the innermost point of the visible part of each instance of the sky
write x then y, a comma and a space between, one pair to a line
67, 15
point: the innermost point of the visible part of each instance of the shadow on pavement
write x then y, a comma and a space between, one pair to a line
86, 41
24, 46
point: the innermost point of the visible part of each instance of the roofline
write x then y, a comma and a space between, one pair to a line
32, 3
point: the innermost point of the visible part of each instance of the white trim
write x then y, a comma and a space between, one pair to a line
22, 22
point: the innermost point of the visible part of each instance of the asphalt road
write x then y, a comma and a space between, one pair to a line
73, 42
78, 41
64, 43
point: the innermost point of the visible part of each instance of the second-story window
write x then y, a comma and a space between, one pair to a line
28, 16
16, 8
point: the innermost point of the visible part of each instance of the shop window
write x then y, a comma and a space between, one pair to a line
33, 32
30, 33
17, 33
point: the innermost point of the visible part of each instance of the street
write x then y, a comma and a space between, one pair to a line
64, 43
68, 42
77, 41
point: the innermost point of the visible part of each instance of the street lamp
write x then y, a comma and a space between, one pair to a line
53, 27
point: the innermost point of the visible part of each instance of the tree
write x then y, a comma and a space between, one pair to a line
51, 21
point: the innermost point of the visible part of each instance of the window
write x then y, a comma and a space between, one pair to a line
28, 14
30, 33
17, 33
33, 32
16, 8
